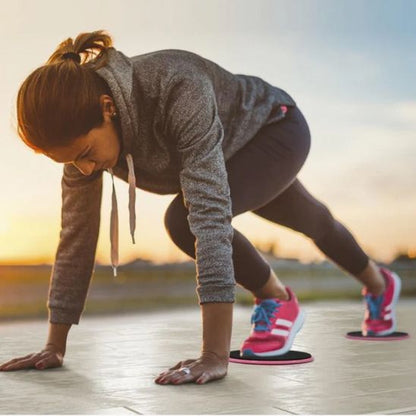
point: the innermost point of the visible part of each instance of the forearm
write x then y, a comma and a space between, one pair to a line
57, 336
217, 319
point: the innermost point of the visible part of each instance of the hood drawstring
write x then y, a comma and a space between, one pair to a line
114, 212
132, 195
114, 228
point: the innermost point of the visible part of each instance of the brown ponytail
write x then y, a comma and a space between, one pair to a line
59, 101
90, 45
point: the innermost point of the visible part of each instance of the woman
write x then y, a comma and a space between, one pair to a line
173, 122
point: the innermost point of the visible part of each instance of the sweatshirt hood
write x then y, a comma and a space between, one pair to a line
118, 73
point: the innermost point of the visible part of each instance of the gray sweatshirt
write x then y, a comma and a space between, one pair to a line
181, 117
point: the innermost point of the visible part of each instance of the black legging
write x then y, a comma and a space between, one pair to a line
262, 179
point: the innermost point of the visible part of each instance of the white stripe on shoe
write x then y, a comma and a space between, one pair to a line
284, 322
283, 332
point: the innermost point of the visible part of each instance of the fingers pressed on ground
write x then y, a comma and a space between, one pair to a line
203, 378
167, 379
28, 361
164, 373
172, 373
10, 362
180, 379
40, 365
10, 367
24, 363
166, 376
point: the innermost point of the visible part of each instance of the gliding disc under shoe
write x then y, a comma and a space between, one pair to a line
395, 336
291, 357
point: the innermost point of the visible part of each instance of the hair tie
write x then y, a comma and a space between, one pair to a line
72, 55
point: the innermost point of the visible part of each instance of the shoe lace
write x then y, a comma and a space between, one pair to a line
374, 305
263, 312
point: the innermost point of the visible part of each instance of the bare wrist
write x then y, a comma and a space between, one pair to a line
217, 328
224, 356
57, 337
55, 347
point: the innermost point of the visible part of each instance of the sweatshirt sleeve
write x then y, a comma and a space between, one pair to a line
75, 256
193, 121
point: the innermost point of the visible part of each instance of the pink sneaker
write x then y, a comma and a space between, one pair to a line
275, 324
380, 314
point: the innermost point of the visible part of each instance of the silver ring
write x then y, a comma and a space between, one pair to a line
186, 370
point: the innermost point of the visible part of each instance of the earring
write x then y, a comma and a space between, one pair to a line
114, 115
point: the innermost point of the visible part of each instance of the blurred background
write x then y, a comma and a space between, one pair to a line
350, 67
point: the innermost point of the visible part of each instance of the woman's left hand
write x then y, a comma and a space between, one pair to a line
209, 366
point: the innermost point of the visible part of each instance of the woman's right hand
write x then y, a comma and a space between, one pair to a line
49, 357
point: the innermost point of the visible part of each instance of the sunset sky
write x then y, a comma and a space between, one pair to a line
349, 65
